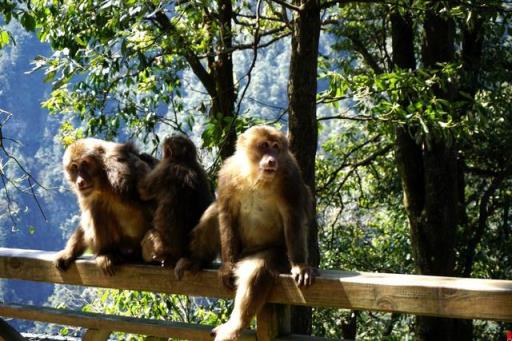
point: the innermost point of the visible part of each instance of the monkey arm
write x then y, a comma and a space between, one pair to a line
229, 236
75, 247
153, 182
148, 159
295, 218
295, 233
295, 230
230, 243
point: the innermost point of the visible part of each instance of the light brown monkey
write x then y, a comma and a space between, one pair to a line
113, 219
180, 187
263, 210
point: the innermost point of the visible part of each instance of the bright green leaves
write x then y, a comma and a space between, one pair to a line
15, 10
399, 97
4, 38
110, 68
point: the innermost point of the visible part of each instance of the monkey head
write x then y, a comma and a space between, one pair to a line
264, 147
83, 167
179, 148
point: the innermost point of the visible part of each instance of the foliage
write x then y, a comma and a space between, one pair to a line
374, 97
116, 65
149, 305
19, 11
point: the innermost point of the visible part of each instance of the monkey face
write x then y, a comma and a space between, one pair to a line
265, 148
85, 174
268, 152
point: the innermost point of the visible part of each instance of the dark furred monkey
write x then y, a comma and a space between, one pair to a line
263, 210
113, 219
180, 187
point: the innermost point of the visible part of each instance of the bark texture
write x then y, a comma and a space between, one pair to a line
429, 171
303, 134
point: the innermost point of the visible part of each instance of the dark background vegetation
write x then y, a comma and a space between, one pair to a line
398, 112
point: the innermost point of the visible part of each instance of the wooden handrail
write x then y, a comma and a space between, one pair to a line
421, 295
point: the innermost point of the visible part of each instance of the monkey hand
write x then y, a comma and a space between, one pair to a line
303, 274
227, 275
106, 264
184, 264
63, 260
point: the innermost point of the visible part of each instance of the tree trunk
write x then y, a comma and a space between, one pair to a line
303, 134
429, 174
225, 96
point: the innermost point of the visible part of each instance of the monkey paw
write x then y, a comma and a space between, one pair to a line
226, 332
106, 264
303, 274
182, 265
62, 261
227, 275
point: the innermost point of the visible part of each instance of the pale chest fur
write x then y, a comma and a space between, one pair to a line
131, 221
260, 221
116, 219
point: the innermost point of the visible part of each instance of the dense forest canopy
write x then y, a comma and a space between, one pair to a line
398, 111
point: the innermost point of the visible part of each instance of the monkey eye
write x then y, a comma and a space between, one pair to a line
275, 146
73, 167
264, 145
84, 164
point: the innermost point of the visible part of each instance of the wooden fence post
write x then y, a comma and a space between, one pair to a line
273, 321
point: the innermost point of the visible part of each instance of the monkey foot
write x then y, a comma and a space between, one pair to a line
106, 264
63, 260
226, 332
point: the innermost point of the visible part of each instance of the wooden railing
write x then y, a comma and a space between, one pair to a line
421, 295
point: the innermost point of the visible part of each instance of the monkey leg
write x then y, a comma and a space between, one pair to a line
75, 247
254, 279
204, 244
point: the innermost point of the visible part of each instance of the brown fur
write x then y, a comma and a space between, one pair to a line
113, 219
263, 210
180, 187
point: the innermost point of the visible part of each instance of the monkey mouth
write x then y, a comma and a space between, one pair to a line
268, 170
85, 189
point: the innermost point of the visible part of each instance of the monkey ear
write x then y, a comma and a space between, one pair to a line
241, 140
167, 151
100, 150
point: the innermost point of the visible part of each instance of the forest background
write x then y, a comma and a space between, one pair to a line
398, 111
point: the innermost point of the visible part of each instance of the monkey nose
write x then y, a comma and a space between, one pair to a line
82, 184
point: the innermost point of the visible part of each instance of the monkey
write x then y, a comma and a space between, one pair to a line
261, 217
104, 175
181, 189
204, 244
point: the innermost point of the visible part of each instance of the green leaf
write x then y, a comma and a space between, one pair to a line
4, 38
28, 22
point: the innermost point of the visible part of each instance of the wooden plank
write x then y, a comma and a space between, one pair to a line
96, 335
305, 338
421, 295
102, 322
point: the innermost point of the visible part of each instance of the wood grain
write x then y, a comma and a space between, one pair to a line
421, 295
98, 324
